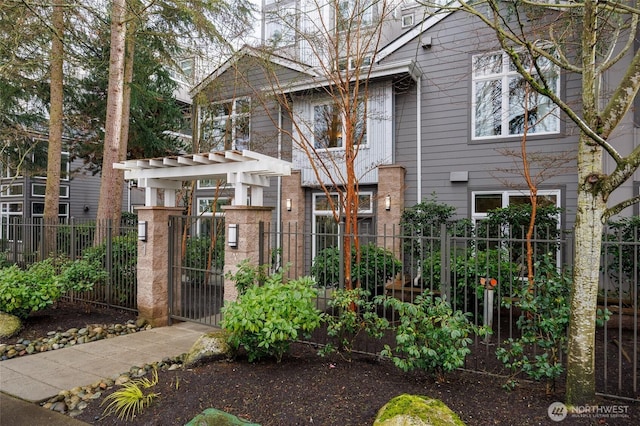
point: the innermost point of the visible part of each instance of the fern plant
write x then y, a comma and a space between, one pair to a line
132, 398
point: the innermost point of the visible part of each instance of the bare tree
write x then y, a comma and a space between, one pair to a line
337, 42
585, 39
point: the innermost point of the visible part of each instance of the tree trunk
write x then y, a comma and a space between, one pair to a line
588, 240
54, 150
112, 137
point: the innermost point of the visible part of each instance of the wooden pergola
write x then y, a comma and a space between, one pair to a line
240, 169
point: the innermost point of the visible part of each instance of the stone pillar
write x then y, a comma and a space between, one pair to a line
153, 268
391, 182
247, 220
293, 224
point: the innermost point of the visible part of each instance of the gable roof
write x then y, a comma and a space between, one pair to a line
427, 23
247, 50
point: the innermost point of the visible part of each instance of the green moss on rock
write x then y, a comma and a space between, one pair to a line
415, 410
9, 324
213, 417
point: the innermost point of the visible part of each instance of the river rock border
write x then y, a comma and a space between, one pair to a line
74, 336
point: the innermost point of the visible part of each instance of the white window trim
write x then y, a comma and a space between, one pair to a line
6, 215
505, 200
67, 172
363, 144
64, 215
209, 213
504, 76
409, 16
233, 116
5, 190
64, 190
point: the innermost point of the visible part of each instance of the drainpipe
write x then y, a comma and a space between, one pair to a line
279, 198
419, 138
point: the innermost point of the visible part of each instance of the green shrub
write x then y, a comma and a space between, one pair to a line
248, 275
266, 319
351, 313
543, 325
30, 290
82, 275
430, 336
377, 265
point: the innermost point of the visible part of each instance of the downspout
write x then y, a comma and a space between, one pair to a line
279, 199
419, 138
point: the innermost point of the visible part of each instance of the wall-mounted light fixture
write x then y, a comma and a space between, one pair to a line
233, 235
387, 202
85, 208
288, 204
142, 230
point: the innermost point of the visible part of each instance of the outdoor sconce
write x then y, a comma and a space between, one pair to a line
387, 202
142, 230
288, 204
233, 235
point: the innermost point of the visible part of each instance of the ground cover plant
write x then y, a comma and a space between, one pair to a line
305, 389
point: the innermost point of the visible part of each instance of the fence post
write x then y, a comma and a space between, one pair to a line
72, 238
341, 255
445, 266
109, 261
261, 240
43, 248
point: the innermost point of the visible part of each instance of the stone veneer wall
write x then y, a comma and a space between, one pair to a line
391, 181
293, 224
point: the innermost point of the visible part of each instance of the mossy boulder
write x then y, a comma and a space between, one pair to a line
415, 410
9, 324
213, 417
209, 347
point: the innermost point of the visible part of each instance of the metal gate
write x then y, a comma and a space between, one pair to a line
196, 265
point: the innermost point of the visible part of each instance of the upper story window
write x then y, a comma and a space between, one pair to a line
353, 14
328, 125
226, 125
185, 72
407, 20
502, 100
280, 27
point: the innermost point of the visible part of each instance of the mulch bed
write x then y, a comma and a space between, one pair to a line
305, 389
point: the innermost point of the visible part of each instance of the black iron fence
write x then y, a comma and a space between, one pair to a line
24, 241
481, 275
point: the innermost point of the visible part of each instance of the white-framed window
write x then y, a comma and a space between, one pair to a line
11, 213
208, 207
40, 189
213, 183
407, 20
328, 125
37, 210
280, 26
354, 14
12, 190
502, 99
8, 171
353, 62
226, 125
484, 201
185, 72
65, 167
325, 227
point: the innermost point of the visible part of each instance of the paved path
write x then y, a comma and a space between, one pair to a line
35, 378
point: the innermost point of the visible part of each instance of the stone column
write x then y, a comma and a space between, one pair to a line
247, 220
153, 268
391, 182
293, 224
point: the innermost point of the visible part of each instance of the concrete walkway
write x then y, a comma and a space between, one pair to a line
39, 377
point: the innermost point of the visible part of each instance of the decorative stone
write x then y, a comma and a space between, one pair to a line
415, 410
211, 416
209, 347
9, 325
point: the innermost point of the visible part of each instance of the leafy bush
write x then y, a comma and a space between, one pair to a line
376, 266
352, 313
248, 275
40, 285
543, 325
430, 336
82, 275
265, 319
